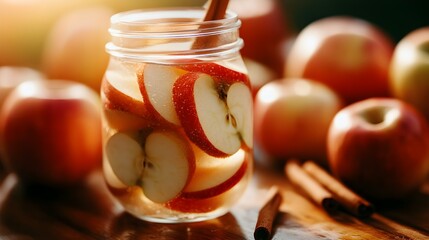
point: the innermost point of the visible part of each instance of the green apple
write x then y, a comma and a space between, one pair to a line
409, 70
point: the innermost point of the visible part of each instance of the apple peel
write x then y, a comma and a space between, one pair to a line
216, 116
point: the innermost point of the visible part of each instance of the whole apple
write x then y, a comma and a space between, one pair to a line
50, 132
349, 55
74, 49
380, 148
409, 70
264, 29
10, 78
292, 117
259, 74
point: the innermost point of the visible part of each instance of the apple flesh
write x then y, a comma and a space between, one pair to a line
292, 118
54, 125
216, 115
409, 70
161, 174
214, 176
120, 89
156, 86
380, 148
349, 55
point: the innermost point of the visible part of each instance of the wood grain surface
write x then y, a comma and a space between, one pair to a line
89, 212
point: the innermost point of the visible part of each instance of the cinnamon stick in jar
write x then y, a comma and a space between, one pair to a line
216, 10
311, 187
347, 198
267, 214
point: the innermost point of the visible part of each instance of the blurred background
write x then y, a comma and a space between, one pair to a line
396, 17
65, 39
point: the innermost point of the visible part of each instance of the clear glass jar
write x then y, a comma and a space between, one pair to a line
177, 117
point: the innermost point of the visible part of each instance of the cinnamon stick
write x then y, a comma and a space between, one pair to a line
215, 11
267, 214
347, 198
311, 187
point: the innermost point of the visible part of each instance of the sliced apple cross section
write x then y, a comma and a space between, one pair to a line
156, 84
216, 115
121, 90
211, 172
162, 167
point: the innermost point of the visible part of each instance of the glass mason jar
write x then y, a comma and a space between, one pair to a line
177, 119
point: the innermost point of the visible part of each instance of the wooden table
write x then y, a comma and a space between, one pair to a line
88, 212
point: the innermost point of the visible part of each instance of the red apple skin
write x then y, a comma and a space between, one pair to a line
51, 132
349, 55
10, 78
259, 74
292, 117
409, 70
114, 99
380, 148
264, 27
218, 72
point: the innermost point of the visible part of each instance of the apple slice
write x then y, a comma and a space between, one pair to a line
125, 121
162, 168
156, 85
216, 116
217, 182
121, 90
211, 171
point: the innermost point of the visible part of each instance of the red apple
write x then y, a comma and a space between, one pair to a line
259, 74
409, 70
349, 55
292, 117
380, 148
264, 27
12, 76
50, 132
74, 48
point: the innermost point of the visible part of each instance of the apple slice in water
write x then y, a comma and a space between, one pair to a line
162, 168
156, 85
211, 172
218, 71
215, 176
121, 90
216, 116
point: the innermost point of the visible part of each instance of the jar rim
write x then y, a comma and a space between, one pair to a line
156, 20
145, 33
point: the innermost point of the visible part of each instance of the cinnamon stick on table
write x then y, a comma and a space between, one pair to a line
267, 215
315, 191
347, 198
